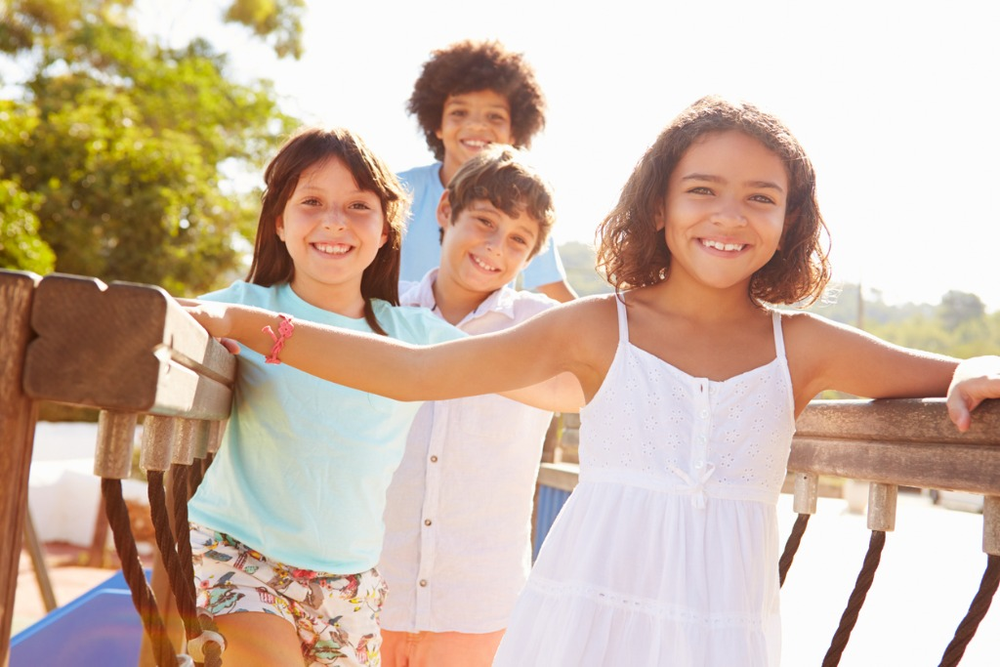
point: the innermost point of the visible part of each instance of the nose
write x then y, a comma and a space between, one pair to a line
334, 219
493, 244
476, 119
729, 212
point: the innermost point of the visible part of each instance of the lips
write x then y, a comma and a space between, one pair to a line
719, 245
483, 265
475, 144
332, 248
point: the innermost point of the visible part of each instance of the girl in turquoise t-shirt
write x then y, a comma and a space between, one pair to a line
287, 524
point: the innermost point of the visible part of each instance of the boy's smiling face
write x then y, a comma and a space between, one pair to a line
484, 249
470, 122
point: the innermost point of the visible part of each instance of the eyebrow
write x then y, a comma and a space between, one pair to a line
770, 185
317, 188
462, 101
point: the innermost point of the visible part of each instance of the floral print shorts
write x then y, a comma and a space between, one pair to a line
336, 616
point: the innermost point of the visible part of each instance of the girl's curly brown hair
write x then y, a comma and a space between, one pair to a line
471, 66
633, 253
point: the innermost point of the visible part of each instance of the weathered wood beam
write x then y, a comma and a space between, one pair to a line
17, 432
124, 347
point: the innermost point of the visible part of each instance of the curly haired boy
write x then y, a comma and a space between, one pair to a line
469, 95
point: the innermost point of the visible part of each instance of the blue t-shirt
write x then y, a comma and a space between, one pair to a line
422, 243
304, 464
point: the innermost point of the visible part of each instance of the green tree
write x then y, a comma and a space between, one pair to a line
958, 308
579, 260
124, 145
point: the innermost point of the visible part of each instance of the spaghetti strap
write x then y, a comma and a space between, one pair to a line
779, 338
622, 319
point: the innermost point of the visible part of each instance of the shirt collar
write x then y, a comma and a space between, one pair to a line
422, 294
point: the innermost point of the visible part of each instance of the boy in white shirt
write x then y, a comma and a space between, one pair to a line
458, 515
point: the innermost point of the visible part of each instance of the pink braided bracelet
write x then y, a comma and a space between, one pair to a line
285, 331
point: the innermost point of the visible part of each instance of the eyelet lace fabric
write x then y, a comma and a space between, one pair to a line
666, 553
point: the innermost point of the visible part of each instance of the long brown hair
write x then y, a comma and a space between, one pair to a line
271, 262
633, 253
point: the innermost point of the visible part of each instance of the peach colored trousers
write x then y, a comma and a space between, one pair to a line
439, 649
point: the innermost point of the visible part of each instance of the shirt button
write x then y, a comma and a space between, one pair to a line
699, 464
427, 522
434, 459
704, 414
423, 583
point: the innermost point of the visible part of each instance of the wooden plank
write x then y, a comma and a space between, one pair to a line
17, 431
912, 420
562, 476
972, 468
124, 347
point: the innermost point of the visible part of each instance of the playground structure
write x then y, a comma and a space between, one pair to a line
131, 351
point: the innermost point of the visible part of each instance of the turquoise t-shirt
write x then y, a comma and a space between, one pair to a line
304, 464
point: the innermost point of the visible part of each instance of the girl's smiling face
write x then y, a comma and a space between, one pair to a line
333, 230
724, 210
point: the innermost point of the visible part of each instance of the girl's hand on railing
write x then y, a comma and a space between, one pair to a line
975, 380
214, 317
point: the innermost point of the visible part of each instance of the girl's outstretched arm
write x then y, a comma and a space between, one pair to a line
534, 351
827, 355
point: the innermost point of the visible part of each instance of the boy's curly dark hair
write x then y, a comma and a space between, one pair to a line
632, 252
470, 66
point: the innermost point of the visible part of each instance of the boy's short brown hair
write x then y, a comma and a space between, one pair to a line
471, 66
500, 176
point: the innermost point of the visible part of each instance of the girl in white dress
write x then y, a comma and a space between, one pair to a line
666, 553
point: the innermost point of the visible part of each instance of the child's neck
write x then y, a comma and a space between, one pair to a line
453, 302
705, 303
345, 302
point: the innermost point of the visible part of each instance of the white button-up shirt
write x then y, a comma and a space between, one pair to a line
458, 511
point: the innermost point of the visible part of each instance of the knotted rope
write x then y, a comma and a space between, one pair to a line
857, 599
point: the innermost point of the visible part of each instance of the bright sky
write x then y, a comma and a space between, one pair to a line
896, 102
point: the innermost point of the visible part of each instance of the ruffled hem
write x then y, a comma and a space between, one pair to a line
575, 627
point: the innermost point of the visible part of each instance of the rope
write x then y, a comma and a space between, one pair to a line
185, 482
977, 610
857, 599
142, 596
176, 574
792, 546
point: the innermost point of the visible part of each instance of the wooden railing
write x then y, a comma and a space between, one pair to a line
130, 351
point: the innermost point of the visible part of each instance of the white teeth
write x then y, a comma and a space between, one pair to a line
332, 249
485, 267
728, 247
473, 143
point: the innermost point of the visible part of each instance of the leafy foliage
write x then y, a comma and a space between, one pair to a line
122, 148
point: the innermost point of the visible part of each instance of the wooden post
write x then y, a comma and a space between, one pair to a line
17, 432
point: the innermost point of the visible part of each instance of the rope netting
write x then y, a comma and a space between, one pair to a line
204, 643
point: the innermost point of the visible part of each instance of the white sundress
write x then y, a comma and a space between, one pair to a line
666, 554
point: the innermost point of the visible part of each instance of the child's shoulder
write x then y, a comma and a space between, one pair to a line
420, 176
242, 292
